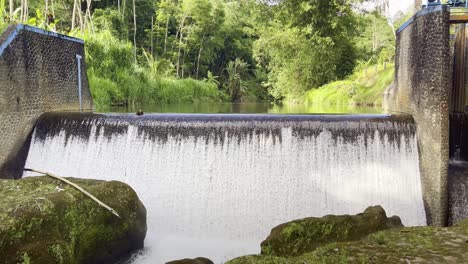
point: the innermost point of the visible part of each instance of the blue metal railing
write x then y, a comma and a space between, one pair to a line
451, 3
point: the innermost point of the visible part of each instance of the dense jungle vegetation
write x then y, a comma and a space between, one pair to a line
165, 51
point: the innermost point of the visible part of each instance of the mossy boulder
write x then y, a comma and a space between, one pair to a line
43, 220
399, 245
191, 261
393, 245
301, 236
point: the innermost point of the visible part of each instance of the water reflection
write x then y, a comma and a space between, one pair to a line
246, 108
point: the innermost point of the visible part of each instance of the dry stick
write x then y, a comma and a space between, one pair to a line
78, 188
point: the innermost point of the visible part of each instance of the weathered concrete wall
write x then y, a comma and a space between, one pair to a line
422, 86
458, 192
38, 74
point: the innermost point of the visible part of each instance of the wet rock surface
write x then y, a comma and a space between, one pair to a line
43, 220
301, 236
191, 261
395, 245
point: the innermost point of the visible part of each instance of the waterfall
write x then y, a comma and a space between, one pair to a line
215, 185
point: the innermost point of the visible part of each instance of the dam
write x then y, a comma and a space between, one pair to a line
214, 185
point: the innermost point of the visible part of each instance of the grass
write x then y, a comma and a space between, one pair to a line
137, 90
3, 26
361, 88
105, 92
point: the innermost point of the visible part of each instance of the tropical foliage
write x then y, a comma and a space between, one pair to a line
153, 51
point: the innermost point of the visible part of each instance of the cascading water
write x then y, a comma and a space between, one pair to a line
215, 185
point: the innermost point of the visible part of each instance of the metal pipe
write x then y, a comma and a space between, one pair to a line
78, 62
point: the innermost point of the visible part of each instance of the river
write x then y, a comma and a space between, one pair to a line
246, 108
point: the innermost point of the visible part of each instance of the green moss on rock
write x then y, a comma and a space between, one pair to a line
395, 245
43, 220
301, 236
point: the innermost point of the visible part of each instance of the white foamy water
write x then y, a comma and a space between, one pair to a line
216, 189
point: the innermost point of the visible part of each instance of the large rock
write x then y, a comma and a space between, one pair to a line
191, 261
305, 235
43, 220
397, 245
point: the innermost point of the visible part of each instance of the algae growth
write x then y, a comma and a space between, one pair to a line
43, 220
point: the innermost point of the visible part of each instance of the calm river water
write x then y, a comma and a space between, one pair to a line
247, 108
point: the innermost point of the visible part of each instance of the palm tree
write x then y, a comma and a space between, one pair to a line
235, 69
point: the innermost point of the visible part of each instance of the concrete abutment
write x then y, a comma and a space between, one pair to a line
38, 74
423, 87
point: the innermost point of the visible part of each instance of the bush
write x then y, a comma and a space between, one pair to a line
186, 91
105, 92
116, 80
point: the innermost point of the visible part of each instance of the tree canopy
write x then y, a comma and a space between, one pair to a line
254, 50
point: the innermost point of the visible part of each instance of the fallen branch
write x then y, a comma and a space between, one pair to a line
78, 188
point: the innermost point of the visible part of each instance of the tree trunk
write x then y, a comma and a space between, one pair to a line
52, 7
25, 10
22, 11
134, 32
183, 63
198, 60
392, 25
157, 41
181, 35
178, 52
88, 17
73, 16
77, 12
374, 38
53, 13
151, 36
86, 24
80, 16
165, 36
11, 10
182, 70
46, 13
199, 54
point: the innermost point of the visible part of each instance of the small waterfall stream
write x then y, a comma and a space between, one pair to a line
215, 185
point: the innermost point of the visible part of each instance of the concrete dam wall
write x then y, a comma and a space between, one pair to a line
38, 74
422, 87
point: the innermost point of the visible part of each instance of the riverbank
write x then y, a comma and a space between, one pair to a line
363, 88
